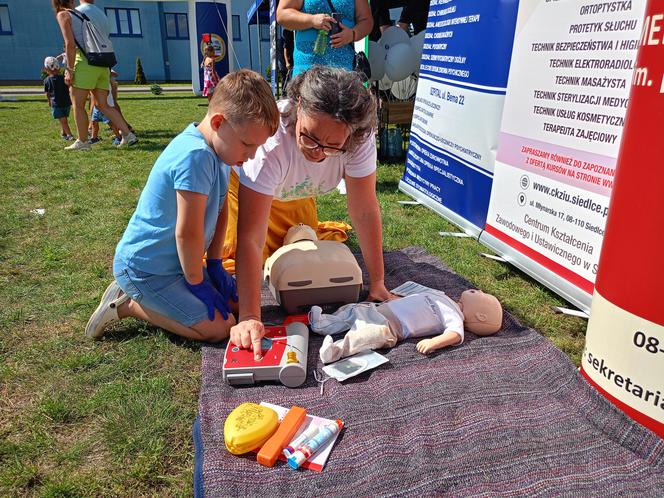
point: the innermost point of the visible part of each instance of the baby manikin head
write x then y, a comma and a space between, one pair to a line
482, 313
299, 232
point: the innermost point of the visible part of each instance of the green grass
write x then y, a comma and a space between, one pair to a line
108, 418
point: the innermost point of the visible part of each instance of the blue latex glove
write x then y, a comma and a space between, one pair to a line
211, 297
222, 280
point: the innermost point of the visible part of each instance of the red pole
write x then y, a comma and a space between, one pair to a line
624, 353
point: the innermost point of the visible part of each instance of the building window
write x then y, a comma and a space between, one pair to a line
176, 26
124, 22
5, 23
265, 32
237, 33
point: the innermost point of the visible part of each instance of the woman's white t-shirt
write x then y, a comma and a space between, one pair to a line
279, 168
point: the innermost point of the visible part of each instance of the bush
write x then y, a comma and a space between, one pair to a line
156, 89
139, 79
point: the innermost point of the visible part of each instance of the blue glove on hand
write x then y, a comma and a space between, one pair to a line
222, 280
211, 298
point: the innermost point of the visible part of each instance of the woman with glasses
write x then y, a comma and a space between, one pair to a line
326, 134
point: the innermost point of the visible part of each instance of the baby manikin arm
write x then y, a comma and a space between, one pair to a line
447, 338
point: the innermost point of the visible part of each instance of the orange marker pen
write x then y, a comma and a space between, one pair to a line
271, 450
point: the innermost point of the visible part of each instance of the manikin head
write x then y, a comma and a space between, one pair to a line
299, 232
482, 313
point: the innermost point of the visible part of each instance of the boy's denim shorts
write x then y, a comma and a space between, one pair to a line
164, 294
60, 112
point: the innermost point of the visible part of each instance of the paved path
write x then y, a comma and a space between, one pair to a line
21, 91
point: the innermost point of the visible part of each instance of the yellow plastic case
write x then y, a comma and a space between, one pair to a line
248, 426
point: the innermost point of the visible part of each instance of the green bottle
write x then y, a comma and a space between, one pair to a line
320, 45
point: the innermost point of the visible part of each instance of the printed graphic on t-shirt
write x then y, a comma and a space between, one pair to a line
303, 189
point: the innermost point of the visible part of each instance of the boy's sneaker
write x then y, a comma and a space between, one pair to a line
66, 138
94, 140
78, 145
107, 311
128, 139
116, 141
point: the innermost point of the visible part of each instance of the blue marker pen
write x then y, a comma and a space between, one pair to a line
310, 447
299, 440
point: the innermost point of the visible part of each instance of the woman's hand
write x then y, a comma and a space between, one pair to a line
69, 78
322, 21
343, 37
247, 335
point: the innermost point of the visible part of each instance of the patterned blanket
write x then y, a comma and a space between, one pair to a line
506, 415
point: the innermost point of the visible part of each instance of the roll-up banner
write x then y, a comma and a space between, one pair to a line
564, 112
624, 354
210, 22
458, 107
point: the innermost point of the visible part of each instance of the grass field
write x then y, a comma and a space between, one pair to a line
113, 418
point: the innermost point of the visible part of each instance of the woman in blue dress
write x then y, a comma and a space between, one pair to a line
307, 17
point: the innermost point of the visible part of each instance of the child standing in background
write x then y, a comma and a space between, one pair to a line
210, 76
57, 94
116, 103
96, 117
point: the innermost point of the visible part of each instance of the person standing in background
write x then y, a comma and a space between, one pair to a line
210, 76
415, 12
96, 15
83, 77
308, 18
285, 45
57, 93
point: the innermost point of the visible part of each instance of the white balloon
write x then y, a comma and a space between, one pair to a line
417, 42
400, 62
403, 90
392, 36
376, 58
385, 83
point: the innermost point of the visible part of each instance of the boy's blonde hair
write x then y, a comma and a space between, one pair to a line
244, 96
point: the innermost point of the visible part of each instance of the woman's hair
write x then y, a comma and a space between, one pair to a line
59, 5
243, 96
337, 93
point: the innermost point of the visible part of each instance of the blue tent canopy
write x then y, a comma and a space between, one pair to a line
259, 12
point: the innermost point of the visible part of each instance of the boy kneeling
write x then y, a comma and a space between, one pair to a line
181, 216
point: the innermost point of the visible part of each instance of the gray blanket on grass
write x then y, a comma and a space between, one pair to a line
507, 415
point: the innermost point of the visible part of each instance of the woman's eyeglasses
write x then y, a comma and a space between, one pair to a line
311, 144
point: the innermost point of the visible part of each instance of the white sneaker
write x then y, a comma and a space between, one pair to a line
78, 145
128, 139
107, 311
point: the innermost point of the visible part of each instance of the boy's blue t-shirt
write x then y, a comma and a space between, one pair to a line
187, 163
